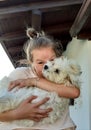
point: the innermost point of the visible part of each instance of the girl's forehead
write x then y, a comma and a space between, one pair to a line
43, 53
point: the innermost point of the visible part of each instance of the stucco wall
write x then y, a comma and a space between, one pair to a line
80, 50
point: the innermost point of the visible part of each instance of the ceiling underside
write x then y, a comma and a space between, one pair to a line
63, 19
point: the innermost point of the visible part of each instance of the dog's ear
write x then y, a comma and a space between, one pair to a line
75, 69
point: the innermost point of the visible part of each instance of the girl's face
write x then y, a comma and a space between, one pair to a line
40, 57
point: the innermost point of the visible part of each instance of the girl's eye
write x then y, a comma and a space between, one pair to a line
52, 60
40, 63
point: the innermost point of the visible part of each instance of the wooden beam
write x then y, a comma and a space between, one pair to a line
81, 18
59, 28
15, 50
12, 36
36, 23
84, 35
36, 20
37, 5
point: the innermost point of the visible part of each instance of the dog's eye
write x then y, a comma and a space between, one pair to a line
57, 71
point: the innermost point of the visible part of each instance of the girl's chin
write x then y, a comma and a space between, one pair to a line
40, 75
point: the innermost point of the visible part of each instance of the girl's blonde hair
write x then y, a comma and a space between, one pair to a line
40, 40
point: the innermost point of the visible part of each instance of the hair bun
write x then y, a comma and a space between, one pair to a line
32, 33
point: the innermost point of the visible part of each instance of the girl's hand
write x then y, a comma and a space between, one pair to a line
21, 83
29, 110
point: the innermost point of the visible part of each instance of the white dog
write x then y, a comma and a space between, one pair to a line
61, 70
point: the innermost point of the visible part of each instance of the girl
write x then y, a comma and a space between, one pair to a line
39, 50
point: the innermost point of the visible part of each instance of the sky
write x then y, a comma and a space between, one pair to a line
5, 64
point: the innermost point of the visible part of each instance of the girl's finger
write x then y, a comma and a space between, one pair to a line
30, 99
44, 111
11, 86
38, 104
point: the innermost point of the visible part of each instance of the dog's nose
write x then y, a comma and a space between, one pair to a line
45, 67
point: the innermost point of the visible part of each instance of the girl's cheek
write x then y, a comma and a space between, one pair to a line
40, 70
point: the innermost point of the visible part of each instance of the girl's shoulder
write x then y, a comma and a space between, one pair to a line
20, 73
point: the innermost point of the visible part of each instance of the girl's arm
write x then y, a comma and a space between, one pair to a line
61, 89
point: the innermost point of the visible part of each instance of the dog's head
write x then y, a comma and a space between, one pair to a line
55, 70
61, 70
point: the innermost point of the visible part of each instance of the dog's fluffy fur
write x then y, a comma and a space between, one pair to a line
61, 70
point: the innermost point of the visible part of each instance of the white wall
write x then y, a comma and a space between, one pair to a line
80, 50
89, 59
5, 64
